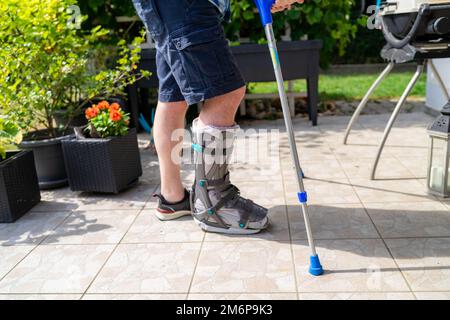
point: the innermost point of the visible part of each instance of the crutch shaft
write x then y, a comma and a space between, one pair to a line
290, 132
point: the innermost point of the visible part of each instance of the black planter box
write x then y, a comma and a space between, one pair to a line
298, 59
102, 165
49, 161
19, 188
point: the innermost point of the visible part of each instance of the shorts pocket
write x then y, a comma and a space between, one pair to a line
200, 54
149, 15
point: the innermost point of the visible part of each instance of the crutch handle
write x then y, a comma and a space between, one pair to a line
264, 8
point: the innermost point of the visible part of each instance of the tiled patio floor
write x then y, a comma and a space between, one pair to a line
383, 239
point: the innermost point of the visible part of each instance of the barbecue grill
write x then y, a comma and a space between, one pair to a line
414, 30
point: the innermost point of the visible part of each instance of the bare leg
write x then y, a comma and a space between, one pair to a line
168, 118
220, 111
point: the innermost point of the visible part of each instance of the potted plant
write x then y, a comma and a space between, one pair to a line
50, 69
19, 189
104, 155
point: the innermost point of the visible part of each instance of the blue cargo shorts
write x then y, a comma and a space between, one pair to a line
193, 60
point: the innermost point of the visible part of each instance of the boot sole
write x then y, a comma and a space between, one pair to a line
172, 216
237, 231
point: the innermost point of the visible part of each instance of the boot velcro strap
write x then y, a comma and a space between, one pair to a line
218, 182
246, 207
231, 194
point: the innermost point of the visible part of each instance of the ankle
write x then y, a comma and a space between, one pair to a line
173, 197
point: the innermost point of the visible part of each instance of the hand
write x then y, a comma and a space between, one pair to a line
281, 5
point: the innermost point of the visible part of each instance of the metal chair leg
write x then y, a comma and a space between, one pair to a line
394, 115
364, 101
439, 79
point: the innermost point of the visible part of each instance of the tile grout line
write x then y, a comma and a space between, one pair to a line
36, 245
384, 242
289, 228
381, 237
116, 246
109, 256
195, 266
223, 292
378, 232
390, 254
434, 198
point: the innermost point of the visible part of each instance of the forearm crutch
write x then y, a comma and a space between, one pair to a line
264, 8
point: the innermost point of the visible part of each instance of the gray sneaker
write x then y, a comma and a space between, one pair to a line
169, 211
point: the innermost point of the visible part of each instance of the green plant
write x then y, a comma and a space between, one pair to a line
47, 65
337, 22
105, 12
329, 20
10, 135
107, 120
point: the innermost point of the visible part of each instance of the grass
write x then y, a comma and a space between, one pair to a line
352, 87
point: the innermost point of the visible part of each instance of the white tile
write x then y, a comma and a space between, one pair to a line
31, 229
10, 256
93, 227
410, 219
137, 296
148, 268
357, 296
333, 221
40, 296
362, 265
56, 269
424, 262
148, 229
242, 296
433, 295
244, 267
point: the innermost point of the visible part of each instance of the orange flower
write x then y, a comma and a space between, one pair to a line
92, 112
115, 115
103, 105
114, 107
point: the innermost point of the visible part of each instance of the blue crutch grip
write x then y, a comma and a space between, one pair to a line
315, 268
264, 8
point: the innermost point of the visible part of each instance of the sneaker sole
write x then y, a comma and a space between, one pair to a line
172, 216
237, 231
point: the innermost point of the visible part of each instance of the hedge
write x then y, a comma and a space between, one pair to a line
336, 22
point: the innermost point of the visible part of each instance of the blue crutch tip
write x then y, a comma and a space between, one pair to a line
315, 267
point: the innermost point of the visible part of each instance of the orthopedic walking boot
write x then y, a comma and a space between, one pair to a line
216, 204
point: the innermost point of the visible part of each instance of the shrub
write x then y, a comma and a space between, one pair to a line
10, 135
329, 20
46, 63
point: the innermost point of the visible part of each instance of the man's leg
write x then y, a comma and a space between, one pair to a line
216, 203
220, 111
169, 118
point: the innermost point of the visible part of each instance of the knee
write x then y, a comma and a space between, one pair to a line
240, 93
234, 98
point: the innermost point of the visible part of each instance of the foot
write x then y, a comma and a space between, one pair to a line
238, 216
169, 211
216, 203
